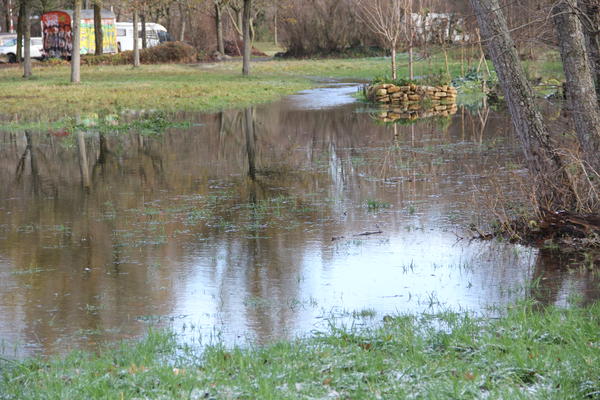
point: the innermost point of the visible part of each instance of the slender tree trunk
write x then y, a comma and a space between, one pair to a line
247, 41
27, 40
136, 41
20, 27
75, 54
591, 24
219, 27
144, 38
98, 34
581, 93
411, 64
394, 68
275, 27
545, 166
240, 22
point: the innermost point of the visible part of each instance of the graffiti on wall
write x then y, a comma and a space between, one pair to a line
88, 36
58, 40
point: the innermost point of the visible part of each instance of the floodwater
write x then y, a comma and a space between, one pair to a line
259, 224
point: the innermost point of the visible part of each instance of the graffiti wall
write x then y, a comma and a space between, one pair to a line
88, 37
56, 30
58, 40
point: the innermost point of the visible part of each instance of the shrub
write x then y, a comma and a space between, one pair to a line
169, 52
327, 27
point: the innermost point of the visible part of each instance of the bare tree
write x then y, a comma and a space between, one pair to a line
75, 54
540, 153
136, 45
385, 18
581, 93
98, 34
219, 4
591, 22
27, 39
246, 21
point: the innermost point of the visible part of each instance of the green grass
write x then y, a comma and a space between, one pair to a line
48, 96
553, 354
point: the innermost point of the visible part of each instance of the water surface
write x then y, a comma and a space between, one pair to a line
259, 224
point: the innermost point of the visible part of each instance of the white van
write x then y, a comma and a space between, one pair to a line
9, 49
155, 35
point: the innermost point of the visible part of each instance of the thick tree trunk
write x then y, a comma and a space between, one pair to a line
144, 38
581, 93
591, 25
183, 23
136, 41
247, 41
551, 185
75, 54
98, 28
219, 27
27, 40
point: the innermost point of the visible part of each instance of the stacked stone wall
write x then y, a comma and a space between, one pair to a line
414, 100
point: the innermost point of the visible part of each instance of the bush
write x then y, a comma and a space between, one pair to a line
169, 52
327, 27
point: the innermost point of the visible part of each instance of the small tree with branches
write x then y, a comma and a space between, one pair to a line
385, 18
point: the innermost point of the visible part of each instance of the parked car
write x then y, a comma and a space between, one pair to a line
155, 35
9, 49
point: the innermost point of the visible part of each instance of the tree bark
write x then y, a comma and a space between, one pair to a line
144, 38
136, 41
411, 72
183, 23
219, 27
98, 34
275, 28
27, 40
581, 93
591, 25
247, 41
20, 26
544, 164
394, 69
75, 54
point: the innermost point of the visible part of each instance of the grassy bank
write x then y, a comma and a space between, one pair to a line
48, 96
553, 354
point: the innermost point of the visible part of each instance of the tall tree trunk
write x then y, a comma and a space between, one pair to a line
27, 40
240, 21
75, 54
247, 41
591, 25
411, 64
581, 93
144, 38
275, 27
9, 16
545, 166
136, 41
20, 27
394, 69
183, 23
219, 27
98, 34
